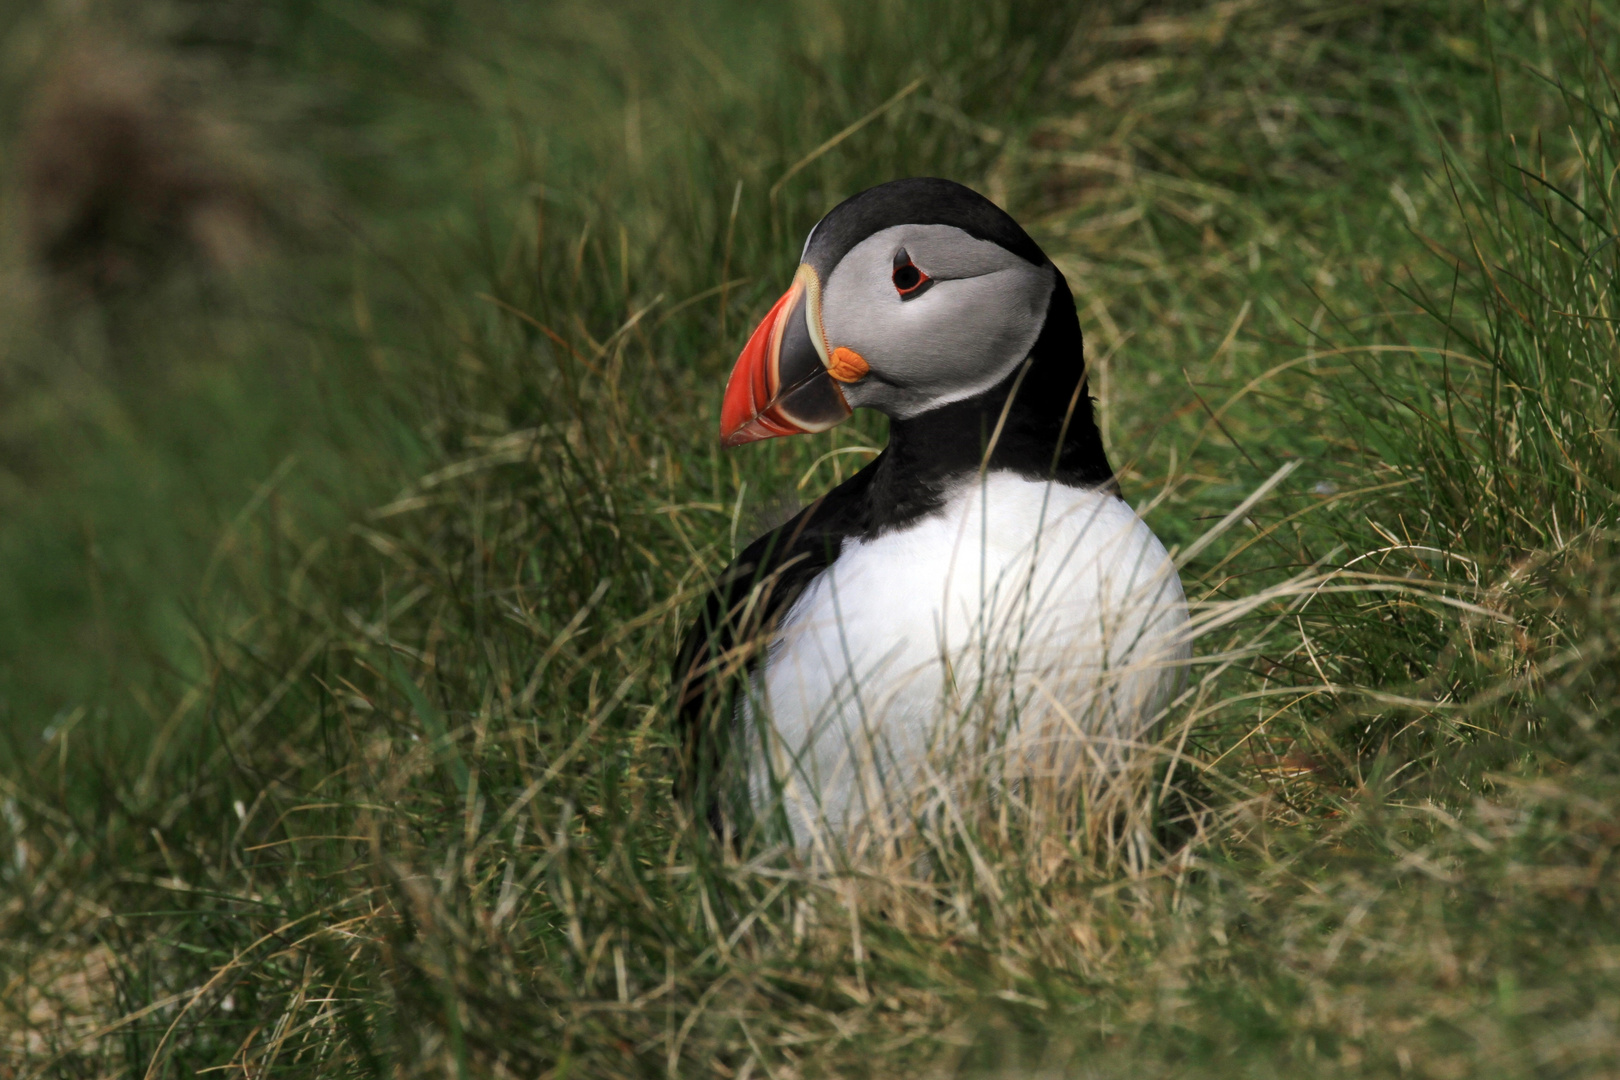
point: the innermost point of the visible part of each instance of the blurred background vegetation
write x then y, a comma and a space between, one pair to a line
359, 373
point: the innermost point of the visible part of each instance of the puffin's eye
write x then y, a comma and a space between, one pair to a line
908, 280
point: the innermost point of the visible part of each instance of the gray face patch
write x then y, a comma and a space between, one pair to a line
969, 329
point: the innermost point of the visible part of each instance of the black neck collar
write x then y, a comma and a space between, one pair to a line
1049, 432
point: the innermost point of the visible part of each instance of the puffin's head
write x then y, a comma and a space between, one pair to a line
911, 295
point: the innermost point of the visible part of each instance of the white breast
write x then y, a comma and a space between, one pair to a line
1026, 616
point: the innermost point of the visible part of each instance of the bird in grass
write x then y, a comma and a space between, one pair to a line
979, 583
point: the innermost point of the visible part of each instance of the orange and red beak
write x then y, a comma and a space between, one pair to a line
784, 383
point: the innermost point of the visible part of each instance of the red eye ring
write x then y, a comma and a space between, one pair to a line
909, 281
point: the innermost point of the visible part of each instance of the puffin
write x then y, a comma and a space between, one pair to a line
977, 592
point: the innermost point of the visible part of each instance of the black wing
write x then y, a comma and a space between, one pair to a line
735, 626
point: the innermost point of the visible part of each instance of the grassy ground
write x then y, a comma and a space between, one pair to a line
380, 780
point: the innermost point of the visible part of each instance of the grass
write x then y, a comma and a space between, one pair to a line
382, 781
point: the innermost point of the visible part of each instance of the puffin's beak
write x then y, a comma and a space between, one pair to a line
781, 384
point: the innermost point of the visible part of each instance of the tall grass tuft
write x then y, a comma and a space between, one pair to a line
1506, 425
